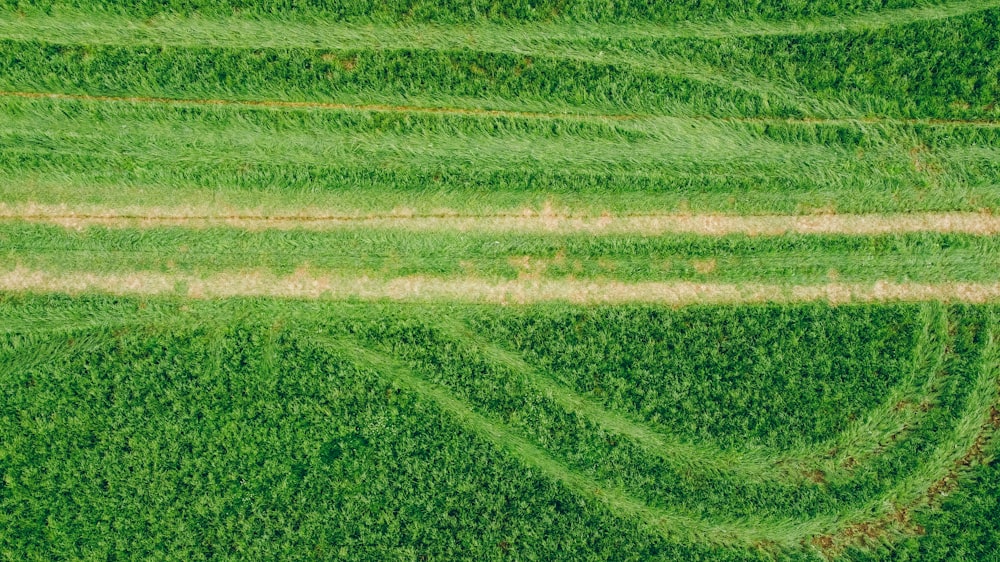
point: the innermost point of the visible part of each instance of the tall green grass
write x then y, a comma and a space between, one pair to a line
119, 154
453, 11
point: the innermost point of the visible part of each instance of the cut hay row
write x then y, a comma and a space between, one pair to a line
527, 220
102, 158
421, 288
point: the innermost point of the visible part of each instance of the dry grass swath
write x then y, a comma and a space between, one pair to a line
525, 220
306, 285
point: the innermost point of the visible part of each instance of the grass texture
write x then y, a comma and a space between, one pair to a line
526, 280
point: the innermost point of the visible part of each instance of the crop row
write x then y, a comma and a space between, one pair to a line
453, 11
920, 69
102, 152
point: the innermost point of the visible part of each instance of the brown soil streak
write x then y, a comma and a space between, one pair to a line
898, 521
526, 220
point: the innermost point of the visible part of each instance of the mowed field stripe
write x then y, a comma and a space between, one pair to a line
81, 27
423, 288
472, 111
527, 220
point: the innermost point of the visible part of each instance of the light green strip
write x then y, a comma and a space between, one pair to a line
73, 26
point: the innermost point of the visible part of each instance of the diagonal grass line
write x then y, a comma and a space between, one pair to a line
970, 427
644, 119
42, 348
759, 462
55, 325
925, 487
667, 447
784, 533
899, 413
671, 525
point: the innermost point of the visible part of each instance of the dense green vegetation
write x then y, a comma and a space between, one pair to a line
272, 428
453, 11
207, 161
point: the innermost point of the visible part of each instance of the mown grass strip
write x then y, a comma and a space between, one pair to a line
570, 43
526, 220
419, 288
224, 160
451, 12
688, 76
71, 26
545, 258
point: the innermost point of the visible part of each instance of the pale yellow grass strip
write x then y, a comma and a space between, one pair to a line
307, 285
524, 220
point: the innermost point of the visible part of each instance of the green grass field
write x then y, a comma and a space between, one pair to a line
499, 280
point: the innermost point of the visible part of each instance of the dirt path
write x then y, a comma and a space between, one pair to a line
545, 220
303, 284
